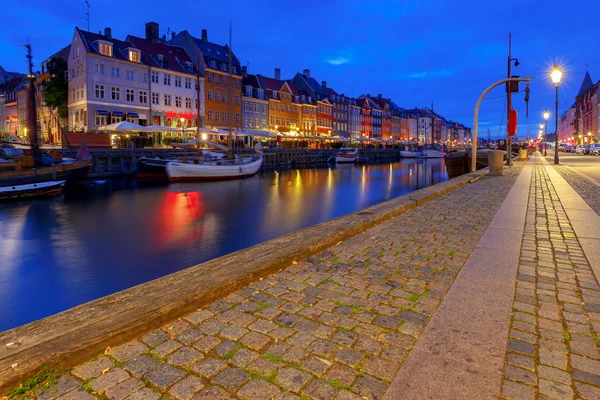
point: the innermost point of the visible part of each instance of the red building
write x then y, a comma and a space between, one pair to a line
386, 120
324, 117
366, 125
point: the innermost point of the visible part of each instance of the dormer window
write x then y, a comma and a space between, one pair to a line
249, 91
134, 55
274, 94
105, 48
159, 59
260, 94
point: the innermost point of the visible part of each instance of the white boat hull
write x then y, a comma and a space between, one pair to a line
411, 154
181, 171
345, 159
430, 153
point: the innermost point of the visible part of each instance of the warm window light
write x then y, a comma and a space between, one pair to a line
541, 126
556, 75
204, 136
546, 115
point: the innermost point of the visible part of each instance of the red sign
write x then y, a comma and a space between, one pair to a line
512, 123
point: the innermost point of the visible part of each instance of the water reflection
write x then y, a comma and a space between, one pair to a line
59, 253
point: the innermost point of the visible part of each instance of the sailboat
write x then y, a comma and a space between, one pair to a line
35, 175
427, 151
210, 167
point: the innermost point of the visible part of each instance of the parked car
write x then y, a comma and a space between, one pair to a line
595, 149
561, 146
580, 149
567, 148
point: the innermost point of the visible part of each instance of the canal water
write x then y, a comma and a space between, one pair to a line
62, 252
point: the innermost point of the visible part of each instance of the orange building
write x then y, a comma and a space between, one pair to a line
285, 109
308, 116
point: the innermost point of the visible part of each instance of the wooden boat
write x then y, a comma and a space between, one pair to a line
422, 152
11, 173
152, 169
32, 190
346, 156
213, 170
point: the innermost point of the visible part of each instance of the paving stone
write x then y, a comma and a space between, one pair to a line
177, 327
349, 356
209, 367
295, 355
519, 375
555, 390
342, 374
517, 391
105, 381
93, 368
320, 390
232, 378
258, 390
144, 394
164, 376
264, 367
77, 394
316, 366
263, 326
207, 343
190, 336
243, 357
141, 365
554, 374
370, 387
123, 389
233, 332
255, 340
379, 368
166, 348
187, 388
323, 348
521, 361
585, 364
128, 351
63, 385
227, 348
292, 379
521, 347
185, 356
587, 392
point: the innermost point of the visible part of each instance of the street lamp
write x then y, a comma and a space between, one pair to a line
546, 115
556, 76
182, 127
590, 137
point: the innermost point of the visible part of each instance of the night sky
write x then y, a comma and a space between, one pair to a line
411, 51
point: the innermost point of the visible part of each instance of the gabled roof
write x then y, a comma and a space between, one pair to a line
330, 91
585, 85
306, 96
173, 56
217, 52
251, 80
62, 53
314, 85
119, 47
270, 83
13, 85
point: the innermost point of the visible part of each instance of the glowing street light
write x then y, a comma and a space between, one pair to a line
556, 76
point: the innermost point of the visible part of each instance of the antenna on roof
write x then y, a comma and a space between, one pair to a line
87, 14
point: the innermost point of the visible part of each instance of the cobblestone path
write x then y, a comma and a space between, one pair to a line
553, 348
586, 189
336, 326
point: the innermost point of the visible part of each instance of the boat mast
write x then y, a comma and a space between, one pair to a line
198, 103
32, 109
432, 123
229, 94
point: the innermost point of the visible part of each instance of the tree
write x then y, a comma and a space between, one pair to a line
56, 89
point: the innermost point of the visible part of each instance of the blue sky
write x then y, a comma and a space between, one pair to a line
411, 51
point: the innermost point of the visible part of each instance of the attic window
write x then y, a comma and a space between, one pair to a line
134, 56
105, 49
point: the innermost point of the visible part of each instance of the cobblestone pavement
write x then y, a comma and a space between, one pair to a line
336, 326
553, 347
586, 189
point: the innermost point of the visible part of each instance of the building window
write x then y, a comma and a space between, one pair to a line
224, 81
277, 120
154, 77
224, 116
264, 108
237, 83
167, 79
209, 115
177, 81
264, 123
100, 120
99, 69
217, 78
155, 98
177, 101
115, 93
167, 100
188, 102
128, 75
209, 94
188, 83
115, 72
129, 95
99, 89
105, 49
196, 103
209, 77
246, 124
143, 97
237, 118
134, 56
224, 97
217, 115
237, 99
272, 120
217, 97
144, 77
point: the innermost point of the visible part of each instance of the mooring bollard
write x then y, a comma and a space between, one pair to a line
523, 155
496, 162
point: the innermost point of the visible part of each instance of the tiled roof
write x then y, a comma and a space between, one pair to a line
270, 83
63, 53
251, 80
173, 56
314, 85
585, 85
119, 47
217, 52
13, 85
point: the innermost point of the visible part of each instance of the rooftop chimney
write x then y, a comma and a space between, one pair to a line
152, 31
245, 70
108, 33
379, 95
324, 84
306, 72
278, 74
204, 35
172, 35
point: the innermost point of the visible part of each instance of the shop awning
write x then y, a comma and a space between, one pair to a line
118, 113
102, 113
132, 115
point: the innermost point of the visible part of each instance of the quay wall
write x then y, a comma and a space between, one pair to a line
75, 335
121, 162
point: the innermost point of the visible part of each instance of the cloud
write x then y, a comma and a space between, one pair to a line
338, 61
440, 73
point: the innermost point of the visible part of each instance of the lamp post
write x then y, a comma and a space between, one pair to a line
546, 115
182, 120
590, 138
545, 138
556, 76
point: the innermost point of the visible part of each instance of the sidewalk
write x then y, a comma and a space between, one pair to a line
420, 306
